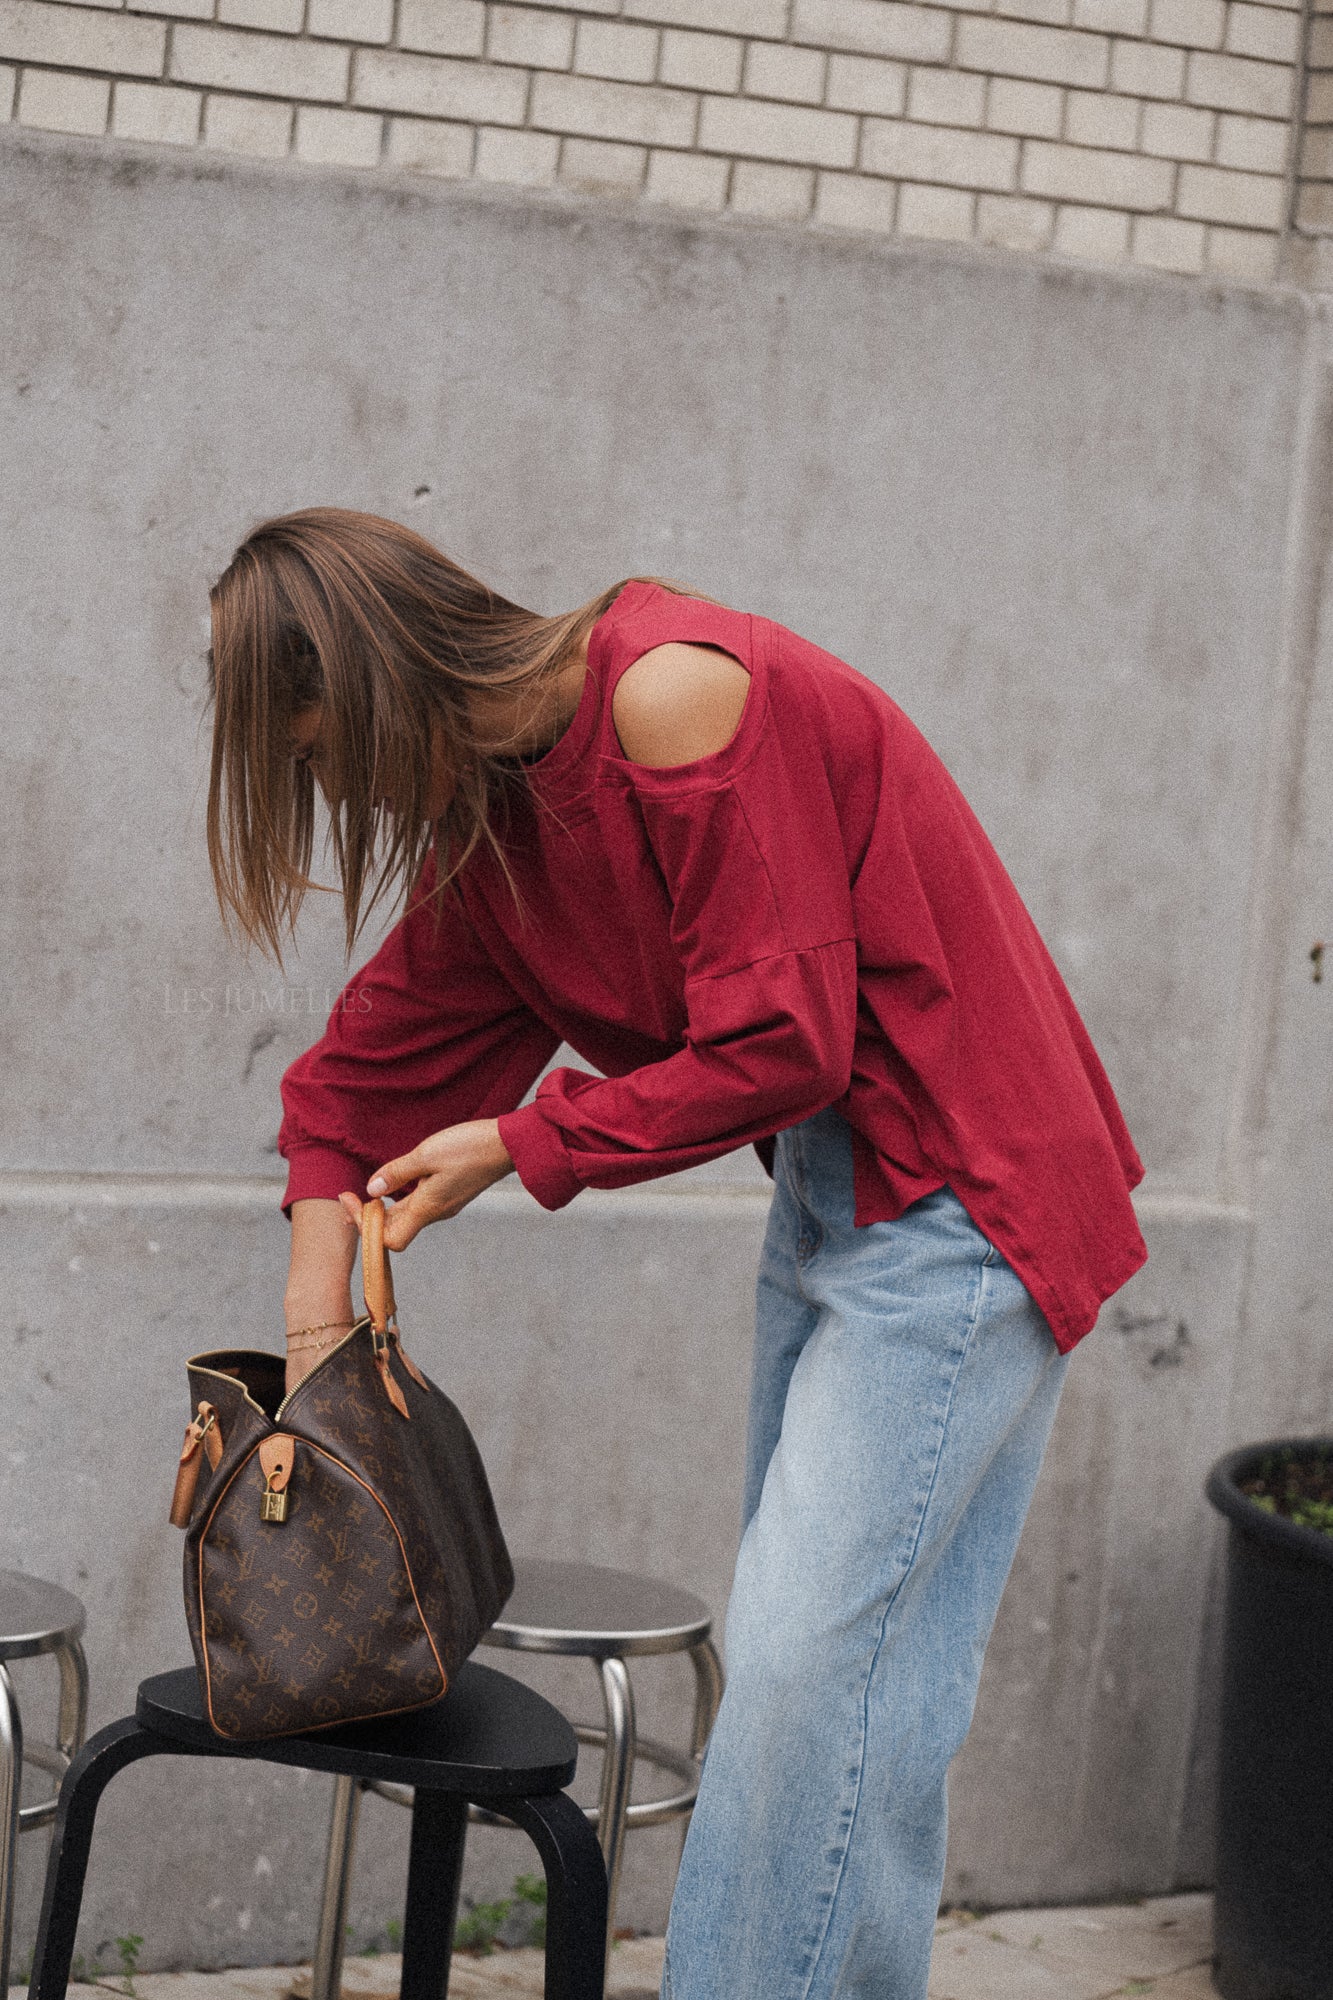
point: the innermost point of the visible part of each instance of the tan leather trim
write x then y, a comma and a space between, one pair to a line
391, 1389
187, 1480
276, 1457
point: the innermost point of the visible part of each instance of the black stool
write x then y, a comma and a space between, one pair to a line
490, 1742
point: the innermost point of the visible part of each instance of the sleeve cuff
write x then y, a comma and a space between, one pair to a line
321, 1173
540, 1154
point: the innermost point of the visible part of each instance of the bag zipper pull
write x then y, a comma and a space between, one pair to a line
202, 1429
276, 1457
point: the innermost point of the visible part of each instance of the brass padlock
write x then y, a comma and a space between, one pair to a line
276, 1456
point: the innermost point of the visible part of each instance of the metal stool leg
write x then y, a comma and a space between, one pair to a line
575, 1893
708, 1684
11, 1780
73, 1722
708, 1693
330, 1941
617, 1776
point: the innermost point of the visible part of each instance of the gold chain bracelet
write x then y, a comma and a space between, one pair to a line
297, 1337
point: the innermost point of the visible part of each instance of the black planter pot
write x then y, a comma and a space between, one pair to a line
1273, 1927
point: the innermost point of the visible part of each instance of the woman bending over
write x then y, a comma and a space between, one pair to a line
730, 874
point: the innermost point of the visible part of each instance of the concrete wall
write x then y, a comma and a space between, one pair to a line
1076, 523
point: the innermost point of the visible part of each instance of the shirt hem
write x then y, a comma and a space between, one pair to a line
322, 1173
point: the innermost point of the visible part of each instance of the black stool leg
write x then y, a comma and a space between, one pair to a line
100, 1760
575, 1893
434, 1871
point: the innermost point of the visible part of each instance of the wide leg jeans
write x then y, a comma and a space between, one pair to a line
903, 1393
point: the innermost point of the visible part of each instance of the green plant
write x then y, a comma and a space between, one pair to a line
128, 1949
480, 1925
85, 1971
483, 1926
1297, 1484
531, 1889
387, 1936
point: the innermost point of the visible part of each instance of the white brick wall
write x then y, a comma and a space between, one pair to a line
1158, 132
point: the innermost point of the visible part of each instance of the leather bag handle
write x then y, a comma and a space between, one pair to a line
377, 1281
376, 1277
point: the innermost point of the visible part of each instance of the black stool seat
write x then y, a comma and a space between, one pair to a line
490, 1737
490, 1742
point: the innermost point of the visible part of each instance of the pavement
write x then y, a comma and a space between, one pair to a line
1160, 1946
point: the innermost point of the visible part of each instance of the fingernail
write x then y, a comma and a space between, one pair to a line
377, 1186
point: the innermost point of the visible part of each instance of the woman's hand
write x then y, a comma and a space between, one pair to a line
450, 1169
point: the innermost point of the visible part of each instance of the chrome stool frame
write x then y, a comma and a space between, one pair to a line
577, 1610
35, 1618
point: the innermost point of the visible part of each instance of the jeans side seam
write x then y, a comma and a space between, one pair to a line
890, 1601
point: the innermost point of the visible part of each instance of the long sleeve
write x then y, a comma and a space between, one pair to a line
761, 923
428, 1034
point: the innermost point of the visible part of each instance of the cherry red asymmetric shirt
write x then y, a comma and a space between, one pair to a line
811, 916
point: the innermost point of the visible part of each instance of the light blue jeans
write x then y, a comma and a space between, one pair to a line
904, 1389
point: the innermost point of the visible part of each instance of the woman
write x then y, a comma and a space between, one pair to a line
727, 870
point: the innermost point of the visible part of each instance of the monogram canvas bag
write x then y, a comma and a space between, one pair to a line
342, 1551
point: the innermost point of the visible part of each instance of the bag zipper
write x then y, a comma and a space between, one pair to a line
393, 1340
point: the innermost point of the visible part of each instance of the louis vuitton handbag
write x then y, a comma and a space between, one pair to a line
342, 1551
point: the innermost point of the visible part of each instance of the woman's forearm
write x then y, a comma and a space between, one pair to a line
323, 1251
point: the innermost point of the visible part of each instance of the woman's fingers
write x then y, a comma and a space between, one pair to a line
388, 1179
352, 1204
406, 1219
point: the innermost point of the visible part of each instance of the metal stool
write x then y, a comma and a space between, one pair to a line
35, 1618
604, 1615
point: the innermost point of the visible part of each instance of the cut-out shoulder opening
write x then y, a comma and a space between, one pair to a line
677, 703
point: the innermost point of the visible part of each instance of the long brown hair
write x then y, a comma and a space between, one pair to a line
390, 638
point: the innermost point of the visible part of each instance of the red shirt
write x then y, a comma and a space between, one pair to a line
811, 916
